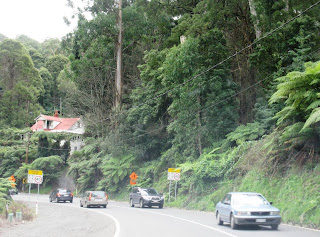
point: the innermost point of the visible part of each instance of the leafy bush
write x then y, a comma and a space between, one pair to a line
28, 214
4, 187
51, 167
248, 132
115, 170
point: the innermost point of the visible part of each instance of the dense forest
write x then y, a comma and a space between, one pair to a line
228, 91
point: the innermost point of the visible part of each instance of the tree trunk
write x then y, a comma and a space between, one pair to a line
287, 5
118, 80
256, 22
199, 124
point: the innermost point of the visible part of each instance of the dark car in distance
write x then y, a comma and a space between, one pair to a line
61, 195
247, 208
145, 197
13, 191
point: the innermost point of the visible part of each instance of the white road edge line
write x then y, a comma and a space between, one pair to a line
116, 234
182, 219
305, 228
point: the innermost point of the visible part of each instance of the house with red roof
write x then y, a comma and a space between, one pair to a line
62, 125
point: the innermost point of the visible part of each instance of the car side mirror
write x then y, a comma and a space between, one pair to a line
161, 194
271, 203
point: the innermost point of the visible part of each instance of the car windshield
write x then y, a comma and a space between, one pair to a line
64, 191
248, 200
98, 194
149, 191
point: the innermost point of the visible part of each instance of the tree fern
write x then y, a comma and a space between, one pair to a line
313, 118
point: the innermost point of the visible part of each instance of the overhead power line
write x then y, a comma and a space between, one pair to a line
221, 62
213, 67
231, 56
216, 103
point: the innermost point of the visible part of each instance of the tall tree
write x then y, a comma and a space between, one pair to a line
55, 64
118, 79
21, 85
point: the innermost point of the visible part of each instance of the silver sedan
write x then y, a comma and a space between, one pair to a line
246, 208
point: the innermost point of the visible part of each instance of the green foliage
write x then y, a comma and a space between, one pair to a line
21, 85
181, 106
85, 165
27, 211
51, 167
10, 159
299, 92
45, 98
50, 144
248, 132
212, 167
115, 171
4, 188
298, 189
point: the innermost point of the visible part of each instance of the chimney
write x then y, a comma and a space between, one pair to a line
56, 114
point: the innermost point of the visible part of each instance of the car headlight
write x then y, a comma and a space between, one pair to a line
274, 213
242, 213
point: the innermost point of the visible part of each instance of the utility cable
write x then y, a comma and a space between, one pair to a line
233, 55
223, 61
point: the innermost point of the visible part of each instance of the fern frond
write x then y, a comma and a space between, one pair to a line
313, 118
315, 104
284, 114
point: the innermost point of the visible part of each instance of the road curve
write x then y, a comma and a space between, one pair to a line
121, 220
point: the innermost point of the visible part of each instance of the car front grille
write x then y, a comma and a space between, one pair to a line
156, 198
260, 213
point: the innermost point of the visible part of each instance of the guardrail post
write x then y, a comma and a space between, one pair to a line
10, 217
18, 216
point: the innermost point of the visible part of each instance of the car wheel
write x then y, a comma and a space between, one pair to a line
161, 206
104, 206
50, 200
71, 201
275, 227
81, 204
131, 203
141, 203
232, 223
218, 219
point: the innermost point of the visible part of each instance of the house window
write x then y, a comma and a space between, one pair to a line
48, 124
75, 148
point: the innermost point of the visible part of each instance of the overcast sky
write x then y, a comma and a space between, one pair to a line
38, 19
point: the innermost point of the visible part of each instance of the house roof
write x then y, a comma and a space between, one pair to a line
64, 123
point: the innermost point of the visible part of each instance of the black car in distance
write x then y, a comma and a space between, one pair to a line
61, 194
145, 197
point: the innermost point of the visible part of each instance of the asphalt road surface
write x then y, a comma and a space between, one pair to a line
121, 220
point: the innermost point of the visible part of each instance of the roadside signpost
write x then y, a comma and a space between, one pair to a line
133, 177
13, 180
35, 177
173, 174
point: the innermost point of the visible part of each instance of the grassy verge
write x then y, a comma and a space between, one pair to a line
42, 190
296, 194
